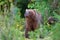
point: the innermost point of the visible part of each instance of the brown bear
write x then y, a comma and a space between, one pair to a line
33, 20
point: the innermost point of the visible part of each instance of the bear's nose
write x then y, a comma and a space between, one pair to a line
26, 14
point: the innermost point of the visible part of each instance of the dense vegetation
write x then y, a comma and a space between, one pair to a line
12, 21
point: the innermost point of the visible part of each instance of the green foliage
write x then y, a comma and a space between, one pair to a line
56, 32
22, 5
13, 27
11, 34
11, 31
2, 3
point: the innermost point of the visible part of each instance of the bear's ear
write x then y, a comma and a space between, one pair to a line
33, 12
